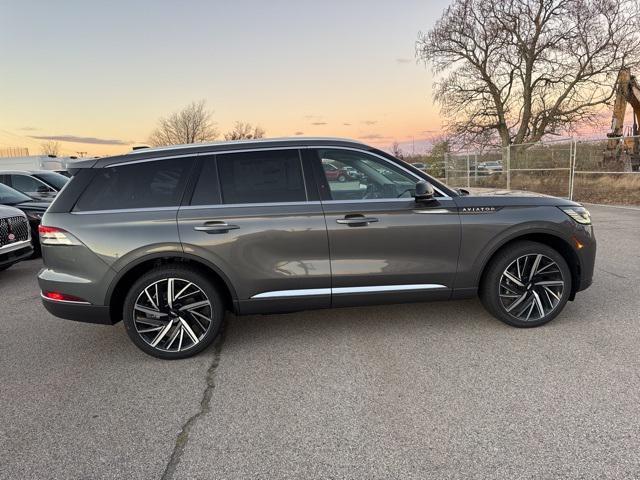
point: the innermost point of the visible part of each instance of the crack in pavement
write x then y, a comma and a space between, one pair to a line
205, 407
611, 273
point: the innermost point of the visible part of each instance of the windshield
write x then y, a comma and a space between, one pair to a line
9, 196
54, 179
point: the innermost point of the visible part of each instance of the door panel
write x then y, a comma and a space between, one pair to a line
273, 248
275, 253
408, 245
384, 248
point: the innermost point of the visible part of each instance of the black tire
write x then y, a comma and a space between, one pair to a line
37, 251
188, 275
342, 178
35, 241
491, 289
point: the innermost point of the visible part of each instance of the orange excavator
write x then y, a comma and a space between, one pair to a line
625, 145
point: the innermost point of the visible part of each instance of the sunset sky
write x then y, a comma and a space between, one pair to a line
102, 73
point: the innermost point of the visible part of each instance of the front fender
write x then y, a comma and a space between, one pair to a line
485, 233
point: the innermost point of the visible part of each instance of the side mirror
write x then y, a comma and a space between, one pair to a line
424, 191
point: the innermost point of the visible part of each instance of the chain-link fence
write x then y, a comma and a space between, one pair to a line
14, 152
607, 171
597, 171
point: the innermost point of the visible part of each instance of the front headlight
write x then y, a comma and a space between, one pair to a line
579, 214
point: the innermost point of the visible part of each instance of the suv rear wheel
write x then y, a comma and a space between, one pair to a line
527, 284
173, 312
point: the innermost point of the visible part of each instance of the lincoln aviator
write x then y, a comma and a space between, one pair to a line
168, 239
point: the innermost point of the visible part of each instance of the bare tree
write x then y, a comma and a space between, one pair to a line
244, 131
192, 124
513, 71
396, 151
50, 148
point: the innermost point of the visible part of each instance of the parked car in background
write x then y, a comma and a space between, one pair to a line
490, 167
33, 209
38, 184
335, 173
15, 237
419, 166
166, 239
354, 174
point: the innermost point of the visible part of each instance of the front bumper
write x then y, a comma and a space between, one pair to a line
586, 256
13, 253
78, 311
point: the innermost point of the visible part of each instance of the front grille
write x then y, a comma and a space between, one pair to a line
18, 226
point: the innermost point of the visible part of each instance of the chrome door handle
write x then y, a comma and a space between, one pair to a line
355, 221
215, 228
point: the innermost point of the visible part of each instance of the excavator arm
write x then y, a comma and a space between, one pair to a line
627, 91
634, 101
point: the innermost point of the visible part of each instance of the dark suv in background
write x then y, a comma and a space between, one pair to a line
38, 184
169, 238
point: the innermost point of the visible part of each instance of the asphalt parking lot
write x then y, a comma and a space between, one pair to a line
433, 390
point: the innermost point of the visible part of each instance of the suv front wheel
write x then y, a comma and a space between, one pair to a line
173, 312
527, 284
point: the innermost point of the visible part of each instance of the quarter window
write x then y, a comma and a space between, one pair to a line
139, 185
359, 176
261, 177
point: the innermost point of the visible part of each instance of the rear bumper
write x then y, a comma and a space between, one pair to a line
11, 254
79, 312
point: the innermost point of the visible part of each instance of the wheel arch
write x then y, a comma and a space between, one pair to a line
127, 276
549, 238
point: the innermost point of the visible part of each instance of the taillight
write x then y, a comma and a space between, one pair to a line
56, 236
62, 297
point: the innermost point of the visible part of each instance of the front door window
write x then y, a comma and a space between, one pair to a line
359, 176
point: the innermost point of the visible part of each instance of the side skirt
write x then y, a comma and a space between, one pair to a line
297, 300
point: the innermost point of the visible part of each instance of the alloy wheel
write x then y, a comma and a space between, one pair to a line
531, 287
172, 314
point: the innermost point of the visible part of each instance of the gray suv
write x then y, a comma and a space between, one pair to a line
167, 239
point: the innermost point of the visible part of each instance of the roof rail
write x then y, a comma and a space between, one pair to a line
235, 142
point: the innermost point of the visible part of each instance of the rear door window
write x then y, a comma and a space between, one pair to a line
24, 183
159, 183
269, 176
54, 179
